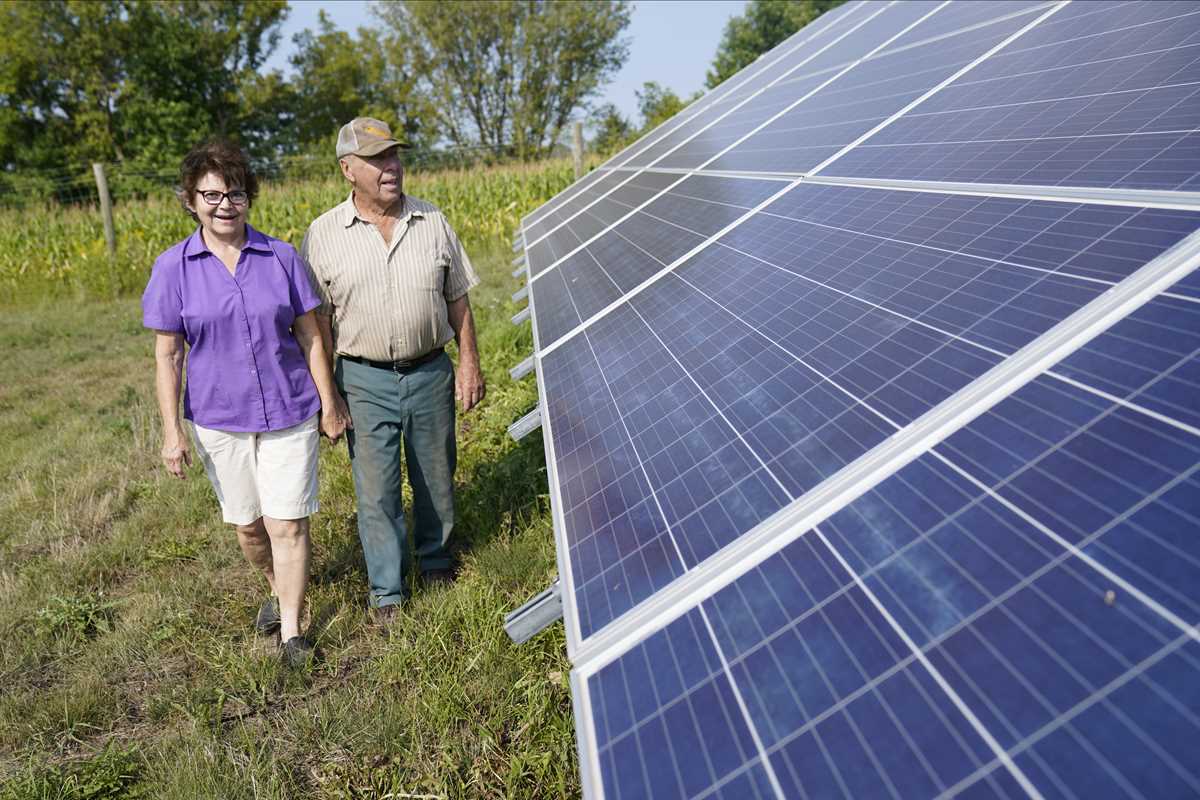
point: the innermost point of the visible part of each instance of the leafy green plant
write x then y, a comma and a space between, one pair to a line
110, 774
79, 616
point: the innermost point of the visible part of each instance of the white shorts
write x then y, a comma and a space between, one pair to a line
256, 474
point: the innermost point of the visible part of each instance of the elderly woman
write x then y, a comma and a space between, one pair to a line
257, 377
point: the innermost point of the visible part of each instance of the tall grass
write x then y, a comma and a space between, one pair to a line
58, 251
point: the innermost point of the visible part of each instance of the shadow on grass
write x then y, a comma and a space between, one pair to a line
499, 496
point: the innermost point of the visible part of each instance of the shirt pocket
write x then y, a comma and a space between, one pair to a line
431, 272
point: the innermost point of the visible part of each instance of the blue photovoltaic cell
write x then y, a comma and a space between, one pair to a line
639, 247
1151, 357
586, 199
1106, 243
619, 550
870, 35
795, 53
859, 100
957, 16
814, 343
808, 58
749, 79
1083, 685
592, 219
720, 135
1010, 611
563, 196
573, 206
1099, 94
669, 697
550, 249
703, 478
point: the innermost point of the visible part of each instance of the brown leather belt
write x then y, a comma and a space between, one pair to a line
397, 366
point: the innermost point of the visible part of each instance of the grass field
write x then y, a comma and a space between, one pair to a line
128, 667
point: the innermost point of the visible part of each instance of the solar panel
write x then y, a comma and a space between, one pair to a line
869, 391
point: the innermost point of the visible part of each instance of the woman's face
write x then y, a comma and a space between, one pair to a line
226, 218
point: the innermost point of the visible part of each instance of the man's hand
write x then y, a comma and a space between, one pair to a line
175, 452
469, 387
335, 420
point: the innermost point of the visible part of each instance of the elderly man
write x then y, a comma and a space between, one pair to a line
393, 278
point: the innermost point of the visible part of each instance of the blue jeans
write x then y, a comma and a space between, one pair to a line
414, 409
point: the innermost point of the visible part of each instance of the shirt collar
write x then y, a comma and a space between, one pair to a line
255, 240
349, 212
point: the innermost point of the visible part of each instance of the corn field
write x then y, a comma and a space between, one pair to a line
55, 251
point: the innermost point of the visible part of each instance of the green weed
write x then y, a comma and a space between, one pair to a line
80, 616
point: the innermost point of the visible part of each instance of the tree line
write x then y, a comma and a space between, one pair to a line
137, 82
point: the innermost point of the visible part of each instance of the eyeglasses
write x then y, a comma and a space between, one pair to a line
215, 198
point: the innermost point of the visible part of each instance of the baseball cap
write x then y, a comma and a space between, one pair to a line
365, 136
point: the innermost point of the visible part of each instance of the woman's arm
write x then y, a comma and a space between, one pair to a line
168, 377
335, 417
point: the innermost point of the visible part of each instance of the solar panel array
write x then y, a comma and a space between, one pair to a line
870, 387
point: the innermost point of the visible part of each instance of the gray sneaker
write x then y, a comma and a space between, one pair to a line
267, 621
296, 652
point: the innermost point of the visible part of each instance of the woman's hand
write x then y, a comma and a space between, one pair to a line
176, 454
335, 419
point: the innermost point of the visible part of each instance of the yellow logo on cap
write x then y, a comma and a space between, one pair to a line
376, 131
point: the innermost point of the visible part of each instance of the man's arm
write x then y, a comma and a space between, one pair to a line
469, 387
325, 326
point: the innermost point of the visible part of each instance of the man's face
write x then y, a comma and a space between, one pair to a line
378, 179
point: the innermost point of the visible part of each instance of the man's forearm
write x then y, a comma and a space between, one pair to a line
325, 326
469, 385
462, 322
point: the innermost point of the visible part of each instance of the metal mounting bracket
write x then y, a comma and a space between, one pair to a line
542, 611
521, 316
526, 424
522, 369
521, 294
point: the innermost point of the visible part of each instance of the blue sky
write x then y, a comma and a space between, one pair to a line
671, 41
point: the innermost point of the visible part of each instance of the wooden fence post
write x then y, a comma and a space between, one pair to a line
110, 232
577, 150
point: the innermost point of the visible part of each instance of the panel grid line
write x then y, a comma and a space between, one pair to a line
742, 102
1101, 695
816, 611
903, 111
706, 101
964, 415
1001, 754
825, 499
1183, 426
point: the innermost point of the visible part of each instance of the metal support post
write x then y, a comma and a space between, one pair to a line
526, 424
542, 611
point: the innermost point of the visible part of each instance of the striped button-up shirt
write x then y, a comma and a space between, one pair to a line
387, 299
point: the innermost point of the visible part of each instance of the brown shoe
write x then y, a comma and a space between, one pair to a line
384, 617
438, 577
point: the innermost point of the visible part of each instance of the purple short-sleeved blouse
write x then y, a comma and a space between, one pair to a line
245, 369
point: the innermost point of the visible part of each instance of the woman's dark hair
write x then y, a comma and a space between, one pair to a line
222, 157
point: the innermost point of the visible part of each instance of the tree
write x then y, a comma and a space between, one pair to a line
657, 104
765, 24
125, 80
613, 131
340, 76
509, 75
